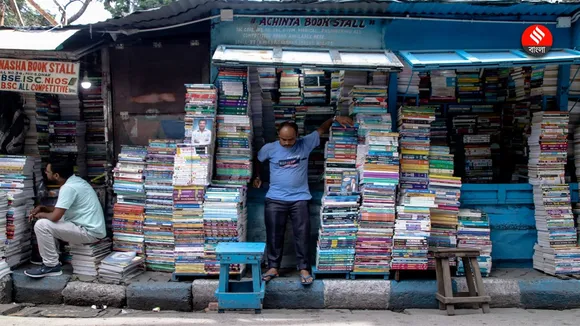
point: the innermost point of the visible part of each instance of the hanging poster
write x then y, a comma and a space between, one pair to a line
37, 76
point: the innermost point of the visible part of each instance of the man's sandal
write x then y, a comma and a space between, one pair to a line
269, 277
306, 279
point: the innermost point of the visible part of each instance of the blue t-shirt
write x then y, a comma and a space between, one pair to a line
289, 168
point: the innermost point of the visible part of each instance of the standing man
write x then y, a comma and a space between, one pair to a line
202, 136
76, 218
288, 195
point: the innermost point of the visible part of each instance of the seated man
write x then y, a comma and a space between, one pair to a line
77, 218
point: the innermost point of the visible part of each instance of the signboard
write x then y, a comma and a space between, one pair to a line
37, 76
301, 32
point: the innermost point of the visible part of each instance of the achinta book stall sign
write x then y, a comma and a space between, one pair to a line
37, 76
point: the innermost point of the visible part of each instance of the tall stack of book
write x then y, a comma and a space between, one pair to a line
225, 219
67, 142
340, 203
379, 180
128, 212
447, 190
40, 109
474, 232
193, 172
413, 224
556, 251
290, 90
408, 81
283, 113
478, 160
257, 108
70, 107
314, 85
234, 128
17, 185
536, 81
517, 84
574, 80
200, 101
86, 258
3, 213
443, 84
336, 80
93, 115
469, 86
158, 227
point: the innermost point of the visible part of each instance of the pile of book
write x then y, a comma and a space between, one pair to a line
87, 257
478, 159
290, 91
256, 109
158, 228
309, 119
556, 251
474, 232
314, 84
69, 107
368, 99
119, 267
379, 178
340, 203
17, 183
413, 224
469, 86
40, 109
443, 84
3, 212
225, 219
408, 81
4, 268
67, 142
336, 80
93, 115
234, 128
200, 101
129, 209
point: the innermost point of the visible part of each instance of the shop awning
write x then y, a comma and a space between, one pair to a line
332, 59
34, 40
457, 59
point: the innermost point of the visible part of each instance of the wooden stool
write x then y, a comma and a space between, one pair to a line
476, 294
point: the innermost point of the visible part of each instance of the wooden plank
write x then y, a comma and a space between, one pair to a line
455, 300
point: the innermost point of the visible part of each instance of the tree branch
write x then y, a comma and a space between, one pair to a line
3, 13
78, 15
44, 14
14, 6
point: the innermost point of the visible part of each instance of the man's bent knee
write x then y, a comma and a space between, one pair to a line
42, 225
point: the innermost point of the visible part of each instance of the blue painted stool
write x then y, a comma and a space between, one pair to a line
240, 294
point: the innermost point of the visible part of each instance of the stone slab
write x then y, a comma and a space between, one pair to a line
356, 294
203, 293
88, 294
504, 293
47, 290
166, 296
550, 294
10, 308
289, 293
413, 294
6, 289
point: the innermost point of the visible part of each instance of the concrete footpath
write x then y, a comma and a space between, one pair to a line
509, 288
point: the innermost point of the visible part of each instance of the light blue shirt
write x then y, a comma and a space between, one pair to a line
289, 168
82, 206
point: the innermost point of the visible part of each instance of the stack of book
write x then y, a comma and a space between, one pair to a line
283, 113
379, 180
536, 81
474, 232
129, 209
234, 128
349, 78
556, 251
574, 80
47, 110
69, 107
268, 79
17, 183
336, 80
119, 267
413, 224
225, 218
93, 115
517, 84
256, 109
87, 257
314, 85
368, 99
443, 84
67, 142
3, 212
4, 268
290, 91
478, 160
158, 227
469, 86
200, 101
340, 204
408, 81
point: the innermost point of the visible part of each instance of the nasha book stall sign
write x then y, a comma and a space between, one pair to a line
38, 76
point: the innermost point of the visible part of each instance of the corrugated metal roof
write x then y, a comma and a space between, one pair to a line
34, 40
183, 11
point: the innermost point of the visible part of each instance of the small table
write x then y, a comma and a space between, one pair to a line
240, 294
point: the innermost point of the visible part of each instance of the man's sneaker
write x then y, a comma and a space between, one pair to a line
44, 270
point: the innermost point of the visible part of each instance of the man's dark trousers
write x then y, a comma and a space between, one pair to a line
277, 213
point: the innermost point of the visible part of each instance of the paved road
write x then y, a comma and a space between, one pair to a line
511, 317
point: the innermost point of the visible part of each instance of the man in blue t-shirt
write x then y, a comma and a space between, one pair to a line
288, 195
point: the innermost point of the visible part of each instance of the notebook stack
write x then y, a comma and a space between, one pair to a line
119, 267
340, 203
93, 115
314, 84
16, 181
413, 225
234, 128
478, 159
200, 102
556, 251
225, 219
86, 258
158, 227
67, 142
129, 209
379, 181
474, 231
290, 91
